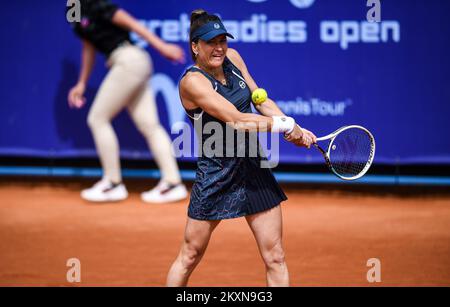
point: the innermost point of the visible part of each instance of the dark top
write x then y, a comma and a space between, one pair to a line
97, 28
230, 187
237, 92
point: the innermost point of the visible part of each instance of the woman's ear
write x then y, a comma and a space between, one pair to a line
194, 47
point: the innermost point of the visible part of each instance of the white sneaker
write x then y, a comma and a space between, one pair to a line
105, 191
164, 193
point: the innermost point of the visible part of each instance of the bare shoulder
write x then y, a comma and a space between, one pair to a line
231, 52
192, 79
235, 57
193, 83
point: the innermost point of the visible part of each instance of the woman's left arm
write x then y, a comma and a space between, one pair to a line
172, 52
269, 107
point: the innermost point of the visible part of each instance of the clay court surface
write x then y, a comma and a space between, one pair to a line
329, 236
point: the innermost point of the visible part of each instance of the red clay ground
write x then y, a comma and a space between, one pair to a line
329, 236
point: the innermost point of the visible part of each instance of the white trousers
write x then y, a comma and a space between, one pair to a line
126, 86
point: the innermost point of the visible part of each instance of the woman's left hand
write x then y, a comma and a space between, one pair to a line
301, 137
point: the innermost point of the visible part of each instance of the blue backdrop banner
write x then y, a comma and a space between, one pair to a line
322, 61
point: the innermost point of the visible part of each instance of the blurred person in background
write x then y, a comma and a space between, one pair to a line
105, 27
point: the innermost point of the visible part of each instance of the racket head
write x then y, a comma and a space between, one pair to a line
350, 152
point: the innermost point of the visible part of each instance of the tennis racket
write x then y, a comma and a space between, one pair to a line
350, 151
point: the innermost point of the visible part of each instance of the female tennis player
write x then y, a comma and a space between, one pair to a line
218, 89
105, 27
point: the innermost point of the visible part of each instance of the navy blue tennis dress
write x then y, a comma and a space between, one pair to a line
230, 187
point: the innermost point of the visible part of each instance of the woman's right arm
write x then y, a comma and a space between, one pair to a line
76, 98
196, 91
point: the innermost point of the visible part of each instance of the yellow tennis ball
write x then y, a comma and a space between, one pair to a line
259, 96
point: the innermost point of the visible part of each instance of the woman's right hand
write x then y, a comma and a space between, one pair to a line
173, 53
301, 137
75, 97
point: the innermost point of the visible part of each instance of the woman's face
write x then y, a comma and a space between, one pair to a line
211, 54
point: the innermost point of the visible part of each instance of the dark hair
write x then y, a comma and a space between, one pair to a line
199, 18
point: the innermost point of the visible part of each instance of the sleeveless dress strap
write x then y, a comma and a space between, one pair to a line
233, 69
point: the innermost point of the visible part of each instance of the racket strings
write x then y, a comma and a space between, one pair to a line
351, 152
